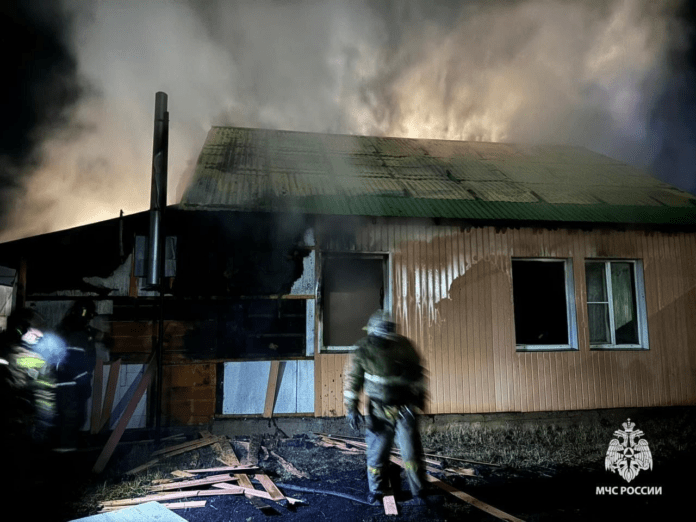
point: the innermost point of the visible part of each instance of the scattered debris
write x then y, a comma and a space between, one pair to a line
289, 467
340, 442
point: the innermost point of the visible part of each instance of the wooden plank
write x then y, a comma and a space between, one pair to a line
237, 469
272, 389
111, 384
182, 474
186, 446
471, 500
95, 419
229, 457
125, 418
186, 505
389, 503
233, 490
192, 483
270, 487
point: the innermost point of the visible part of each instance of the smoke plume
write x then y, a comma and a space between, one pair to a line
615, 76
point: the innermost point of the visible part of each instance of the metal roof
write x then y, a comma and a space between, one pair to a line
268, 170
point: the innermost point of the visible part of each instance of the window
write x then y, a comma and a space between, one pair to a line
353, 288
616, 304
544, 304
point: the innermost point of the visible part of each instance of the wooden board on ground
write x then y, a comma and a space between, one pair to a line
227, 455
169, 505
233, 490
186, 446
183, 474
389, 503
258, 493
471, 500
271, 488
426, 454
236, 469
461, 471
192, 483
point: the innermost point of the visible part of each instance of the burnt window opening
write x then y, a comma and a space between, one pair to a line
616, 304
354, 286
544, 304
248, 328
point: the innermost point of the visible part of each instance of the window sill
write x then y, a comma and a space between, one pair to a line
623, 348
546, 348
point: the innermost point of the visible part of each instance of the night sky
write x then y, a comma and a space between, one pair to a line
618, 77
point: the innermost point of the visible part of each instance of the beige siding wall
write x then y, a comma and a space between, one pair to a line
453, 298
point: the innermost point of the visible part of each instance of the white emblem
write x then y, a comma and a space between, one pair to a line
628, 457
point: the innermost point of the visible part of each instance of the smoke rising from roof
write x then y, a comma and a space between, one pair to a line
598, 74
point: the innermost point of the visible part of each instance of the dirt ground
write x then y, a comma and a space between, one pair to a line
60, 487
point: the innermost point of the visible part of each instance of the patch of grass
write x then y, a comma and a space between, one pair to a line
549, 445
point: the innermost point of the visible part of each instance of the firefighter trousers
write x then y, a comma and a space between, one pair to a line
384, 424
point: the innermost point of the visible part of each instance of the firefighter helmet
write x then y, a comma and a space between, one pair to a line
381, 325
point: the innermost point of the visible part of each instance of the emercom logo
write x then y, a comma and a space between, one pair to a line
625, 455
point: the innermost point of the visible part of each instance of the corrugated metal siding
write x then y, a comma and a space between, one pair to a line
453, 298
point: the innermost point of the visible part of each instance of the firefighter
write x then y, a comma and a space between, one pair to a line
74, 373
387, 367
28, 395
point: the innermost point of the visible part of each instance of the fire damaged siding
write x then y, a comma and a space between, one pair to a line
452, 294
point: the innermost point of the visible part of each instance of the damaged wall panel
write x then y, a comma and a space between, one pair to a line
246, 383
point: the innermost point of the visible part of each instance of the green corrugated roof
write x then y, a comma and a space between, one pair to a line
264, 170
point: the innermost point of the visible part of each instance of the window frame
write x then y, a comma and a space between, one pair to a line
571, 308
387, 279
641, 305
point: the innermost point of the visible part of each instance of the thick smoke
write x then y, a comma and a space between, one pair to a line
610, 75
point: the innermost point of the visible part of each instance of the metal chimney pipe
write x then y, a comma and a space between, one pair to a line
158, 193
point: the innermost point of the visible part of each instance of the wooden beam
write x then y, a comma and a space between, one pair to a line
186, 446
272, 389
95, 418
270, 487
471, 500
237, 469
229, 457
111, 384
125, 418
233, 490
191, 483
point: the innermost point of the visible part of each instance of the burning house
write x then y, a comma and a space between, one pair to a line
531, 278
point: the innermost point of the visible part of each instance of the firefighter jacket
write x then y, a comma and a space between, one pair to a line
31, 379
389, 370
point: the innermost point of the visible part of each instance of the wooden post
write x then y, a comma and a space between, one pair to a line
95, 419
272, 389
111, 384
125, 418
